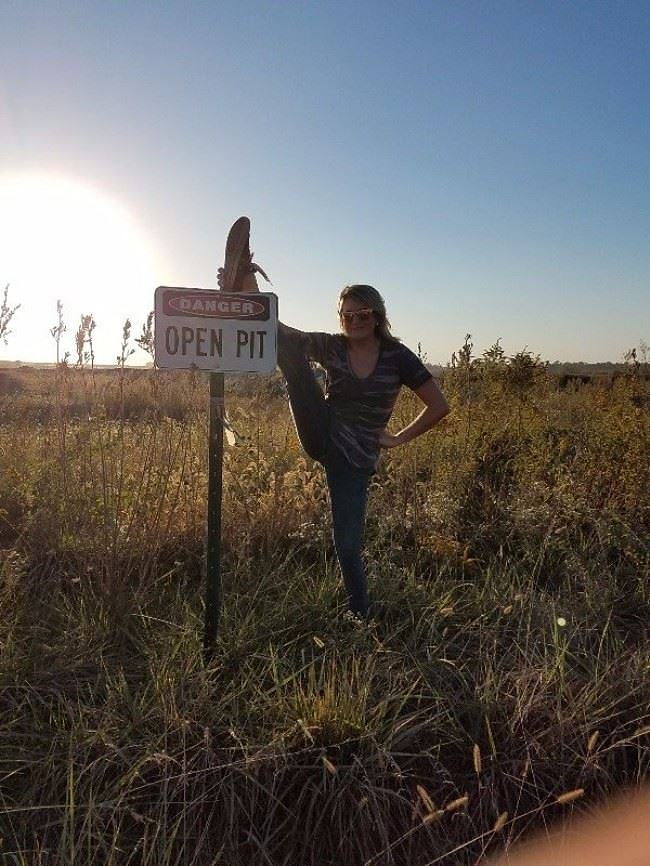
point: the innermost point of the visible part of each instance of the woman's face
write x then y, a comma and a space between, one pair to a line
357, 319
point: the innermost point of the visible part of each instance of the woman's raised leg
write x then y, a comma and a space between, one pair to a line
308, 407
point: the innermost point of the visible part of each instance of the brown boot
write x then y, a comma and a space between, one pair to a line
239, 269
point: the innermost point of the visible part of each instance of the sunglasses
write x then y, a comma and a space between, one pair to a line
362, 315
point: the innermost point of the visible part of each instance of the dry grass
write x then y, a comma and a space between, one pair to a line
507, 668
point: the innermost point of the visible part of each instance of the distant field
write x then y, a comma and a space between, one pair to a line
508, 553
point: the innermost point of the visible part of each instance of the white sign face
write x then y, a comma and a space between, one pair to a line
213, 330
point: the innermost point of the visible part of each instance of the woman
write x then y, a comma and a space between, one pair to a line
345, 427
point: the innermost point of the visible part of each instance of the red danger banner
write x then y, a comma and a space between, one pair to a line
215, 305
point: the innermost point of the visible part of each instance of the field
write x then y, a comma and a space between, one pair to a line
503, 684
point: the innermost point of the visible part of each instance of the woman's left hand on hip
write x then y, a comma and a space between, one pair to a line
388, 440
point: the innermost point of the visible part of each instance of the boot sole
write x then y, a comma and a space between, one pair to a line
236, 243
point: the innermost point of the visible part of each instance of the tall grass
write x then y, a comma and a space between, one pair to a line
507, 662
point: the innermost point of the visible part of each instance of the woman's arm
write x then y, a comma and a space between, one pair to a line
436, 408
314, 344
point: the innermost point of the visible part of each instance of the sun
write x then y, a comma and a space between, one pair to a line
61, 239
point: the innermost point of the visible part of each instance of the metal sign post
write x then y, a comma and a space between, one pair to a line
208, 329
215, 487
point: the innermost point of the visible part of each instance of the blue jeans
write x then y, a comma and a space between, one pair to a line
348, 485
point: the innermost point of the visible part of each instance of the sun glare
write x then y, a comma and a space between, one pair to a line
63, 240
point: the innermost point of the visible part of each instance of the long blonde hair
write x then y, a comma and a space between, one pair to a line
369, 296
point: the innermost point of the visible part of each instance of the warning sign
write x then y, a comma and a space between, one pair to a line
213, 330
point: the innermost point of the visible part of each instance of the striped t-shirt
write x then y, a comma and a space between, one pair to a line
362, 407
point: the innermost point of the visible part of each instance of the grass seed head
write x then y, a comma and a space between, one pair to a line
477, 759
459, 803
432, 817
426, 799
593, 739
570, 796
500, 822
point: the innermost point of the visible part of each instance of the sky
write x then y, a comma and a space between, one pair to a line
485, 165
